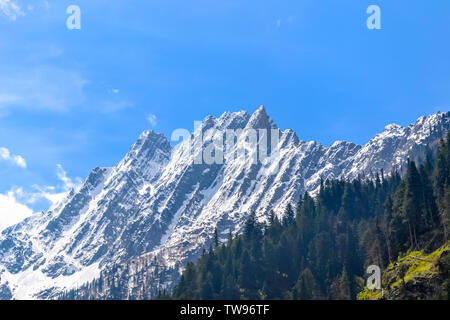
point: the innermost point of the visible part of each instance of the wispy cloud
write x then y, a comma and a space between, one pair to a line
52, 89
152, 119
284, 21
17, 160
68, 183
46, 88
52, 194
10, 9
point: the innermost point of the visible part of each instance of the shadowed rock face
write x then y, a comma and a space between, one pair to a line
160, 209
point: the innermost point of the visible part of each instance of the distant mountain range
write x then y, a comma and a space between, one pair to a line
144, 219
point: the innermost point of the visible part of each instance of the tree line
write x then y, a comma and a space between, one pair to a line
320, 247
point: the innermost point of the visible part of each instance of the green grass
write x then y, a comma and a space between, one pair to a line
416, 265
368, 294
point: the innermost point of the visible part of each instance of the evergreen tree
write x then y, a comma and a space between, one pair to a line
348, 226
306, 287
344, 286
288, 215
216, 238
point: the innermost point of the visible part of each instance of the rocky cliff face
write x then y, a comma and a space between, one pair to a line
159, 207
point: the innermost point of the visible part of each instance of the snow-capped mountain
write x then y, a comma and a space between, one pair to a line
160, 206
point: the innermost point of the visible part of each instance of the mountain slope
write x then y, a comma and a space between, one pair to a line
416, 276
160, 206
323, 249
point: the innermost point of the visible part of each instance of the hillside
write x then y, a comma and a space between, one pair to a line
140, 221
415, 276
322, 250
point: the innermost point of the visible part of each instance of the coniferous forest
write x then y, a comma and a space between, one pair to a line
321, 247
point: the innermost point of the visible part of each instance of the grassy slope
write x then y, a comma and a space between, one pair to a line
415, 275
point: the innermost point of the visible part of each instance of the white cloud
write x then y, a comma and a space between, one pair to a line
11, 211
152, 119
116, 91
53, 194
17, 160
15, 204
47, 193
68, 183
10, 9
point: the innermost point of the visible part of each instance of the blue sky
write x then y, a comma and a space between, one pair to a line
71, 100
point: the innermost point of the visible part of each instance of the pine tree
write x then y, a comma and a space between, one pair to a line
250, 226
413, 203
306, 287
344, 286
216, 238
288, 215
247, 279
445, 213
348, 226
206, 290
230, 291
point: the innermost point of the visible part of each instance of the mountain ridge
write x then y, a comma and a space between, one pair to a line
156, 202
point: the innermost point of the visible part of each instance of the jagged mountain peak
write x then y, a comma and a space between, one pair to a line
261, 112
233, 120
431, 122
157, 201
290, 136
239, 120
341, 143
393, 127
432, 118
149, 138
260, 120
150, 146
